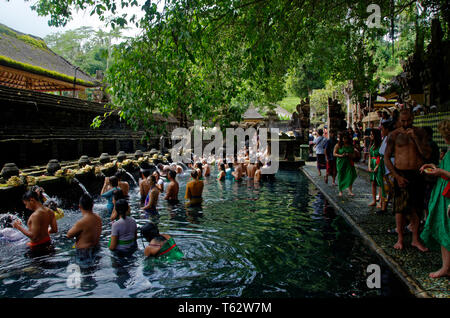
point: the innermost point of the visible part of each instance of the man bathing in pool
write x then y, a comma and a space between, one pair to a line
152, 197
38, 222
172, 188
87, 230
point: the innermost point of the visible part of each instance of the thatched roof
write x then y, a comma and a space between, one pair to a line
27, 63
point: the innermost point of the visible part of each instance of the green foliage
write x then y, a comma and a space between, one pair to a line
289, 103
319, 97
208, 59
85, 47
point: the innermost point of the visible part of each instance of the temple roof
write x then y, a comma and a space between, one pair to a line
27, 63
252, 113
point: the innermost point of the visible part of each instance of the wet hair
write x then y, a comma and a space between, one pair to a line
222, 166
259, 164
38, 191
114, 181
146, 173
118, 195
119, 174
153, 179
199, 165
150, 231
194, 174
122, 208
86, 202
172, 174
27, 196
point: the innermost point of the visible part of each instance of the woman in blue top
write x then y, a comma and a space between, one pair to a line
228, 171
111, 184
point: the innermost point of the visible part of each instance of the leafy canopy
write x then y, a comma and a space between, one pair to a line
207, 59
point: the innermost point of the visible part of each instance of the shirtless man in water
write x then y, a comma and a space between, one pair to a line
152, 197
409, 146
206, 168
172, 188
87, 230
257, 174
144, 185
237, 174
38, 222
251, 170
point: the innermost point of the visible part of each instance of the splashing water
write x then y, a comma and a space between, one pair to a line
81, 186
132, 178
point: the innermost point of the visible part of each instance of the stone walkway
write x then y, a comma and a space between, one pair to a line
409, 264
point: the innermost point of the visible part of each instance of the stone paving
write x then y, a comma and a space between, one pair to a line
409, 264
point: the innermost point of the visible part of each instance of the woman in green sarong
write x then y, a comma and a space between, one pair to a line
162, 246
437, 227
376, 166
346, 172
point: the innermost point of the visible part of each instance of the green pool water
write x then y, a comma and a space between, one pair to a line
276, 240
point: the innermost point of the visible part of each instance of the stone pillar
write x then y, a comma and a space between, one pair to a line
54, 149
100, 146
80, 147
23, 153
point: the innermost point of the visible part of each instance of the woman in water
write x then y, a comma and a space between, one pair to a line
160, 245
376, 166
229, 171
437, 226
194, 189
199, 168
123, 231
109, 186
346, 172
222, 173
117, 195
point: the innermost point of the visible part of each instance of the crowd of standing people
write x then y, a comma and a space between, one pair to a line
406, 168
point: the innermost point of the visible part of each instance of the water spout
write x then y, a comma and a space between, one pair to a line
132, 178
81, 186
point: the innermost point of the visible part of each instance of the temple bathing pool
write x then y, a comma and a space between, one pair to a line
275, 240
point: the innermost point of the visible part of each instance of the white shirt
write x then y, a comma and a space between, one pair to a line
382, 150
320, 144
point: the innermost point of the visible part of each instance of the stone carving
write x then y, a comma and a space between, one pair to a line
84, 160
121, 156
53, 166
104, 158
300, 121
9, 170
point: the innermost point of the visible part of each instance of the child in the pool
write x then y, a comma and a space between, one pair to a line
160, 245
